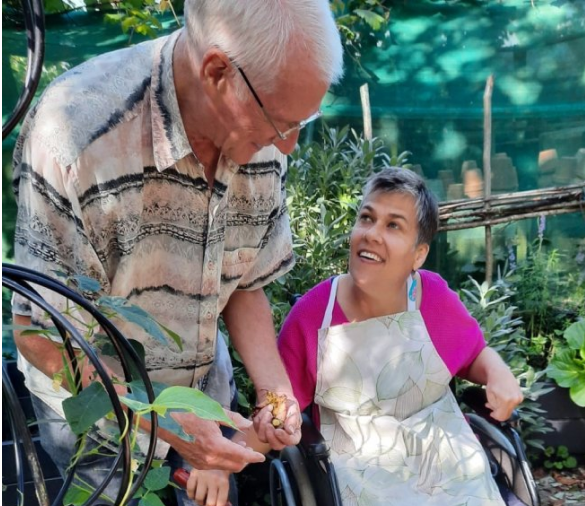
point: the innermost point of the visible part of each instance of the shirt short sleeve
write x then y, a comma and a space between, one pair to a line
50, 233
455, 333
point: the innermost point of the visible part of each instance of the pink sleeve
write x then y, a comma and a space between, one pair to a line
454, 332
297, 342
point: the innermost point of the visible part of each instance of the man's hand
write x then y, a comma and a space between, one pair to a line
210, 449
288, 412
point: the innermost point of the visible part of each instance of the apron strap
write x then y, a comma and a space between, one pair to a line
328, 316
329, 311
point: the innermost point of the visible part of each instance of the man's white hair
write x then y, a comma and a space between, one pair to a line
259, 34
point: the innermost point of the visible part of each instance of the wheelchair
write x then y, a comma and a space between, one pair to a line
303, 475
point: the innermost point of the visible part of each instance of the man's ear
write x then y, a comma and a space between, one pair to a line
215, 69
420, 255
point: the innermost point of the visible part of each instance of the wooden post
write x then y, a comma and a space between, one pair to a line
366, 111
487, 173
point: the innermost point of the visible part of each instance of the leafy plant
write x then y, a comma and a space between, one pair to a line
549, 289
559, 458
88, 406
567, 366
504, 331
362, 24
141, 16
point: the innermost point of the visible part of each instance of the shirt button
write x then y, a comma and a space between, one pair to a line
210, 266
208, 315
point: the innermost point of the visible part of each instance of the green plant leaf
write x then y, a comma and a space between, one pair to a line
192, 401
564, 368
151, 499
86, 408
157, 479
138, 393
86, 284
133, 314
76, 496
575, 336
135, 405
577, 391
173, 335
375, 21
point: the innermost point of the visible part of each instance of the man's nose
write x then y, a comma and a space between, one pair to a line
287, 146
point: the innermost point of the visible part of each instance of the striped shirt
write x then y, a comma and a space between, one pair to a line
108, 187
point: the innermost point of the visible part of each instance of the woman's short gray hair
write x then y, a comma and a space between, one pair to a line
399, 180
258, 35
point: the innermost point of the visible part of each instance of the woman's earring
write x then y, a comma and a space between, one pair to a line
412, 290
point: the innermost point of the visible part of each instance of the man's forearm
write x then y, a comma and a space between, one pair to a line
249, 321
41, 352
48, 356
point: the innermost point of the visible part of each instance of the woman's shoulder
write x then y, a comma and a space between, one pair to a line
431, 281
313, 303
318, 295
437, 296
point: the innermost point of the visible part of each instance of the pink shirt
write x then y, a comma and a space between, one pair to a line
454, 332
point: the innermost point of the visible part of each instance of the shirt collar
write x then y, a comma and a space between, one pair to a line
169, 139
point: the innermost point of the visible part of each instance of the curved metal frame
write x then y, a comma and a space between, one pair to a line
18, 279
280, 485
34, 21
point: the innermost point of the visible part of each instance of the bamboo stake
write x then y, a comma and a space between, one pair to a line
516, 210
514, 203
487, 172
573, 191
562, 209
366, 111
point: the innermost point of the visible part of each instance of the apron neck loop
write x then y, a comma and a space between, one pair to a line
329, 311
328, 316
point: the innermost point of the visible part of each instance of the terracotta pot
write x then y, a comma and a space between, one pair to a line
473, 183
547, 160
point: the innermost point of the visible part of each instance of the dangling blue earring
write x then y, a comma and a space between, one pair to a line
412, 291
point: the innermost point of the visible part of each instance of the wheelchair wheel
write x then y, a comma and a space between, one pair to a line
504, 449
290, 484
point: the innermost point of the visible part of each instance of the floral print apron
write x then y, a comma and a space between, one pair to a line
396, 433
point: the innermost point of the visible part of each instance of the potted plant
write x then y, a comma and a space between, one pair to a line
567, 366
565, 405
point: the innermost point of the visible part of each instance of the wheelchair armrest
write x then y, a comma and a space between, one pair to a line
312, 441
475, 398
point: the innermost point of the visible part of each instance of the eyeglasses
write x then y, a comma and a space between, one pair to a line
294, 128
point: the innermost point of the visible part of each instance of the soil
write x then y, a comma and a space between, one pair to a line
560, 488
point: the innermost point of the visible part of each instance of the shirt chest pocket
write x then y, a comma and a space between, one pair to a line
252, 207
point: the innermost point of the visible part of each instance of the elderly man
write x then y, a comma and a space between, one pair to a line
159, 170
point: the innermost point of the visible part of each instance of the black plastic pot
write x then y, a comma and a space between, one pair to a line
567, 420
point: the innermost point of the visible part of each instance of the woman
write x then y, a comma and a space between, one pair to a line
375, 350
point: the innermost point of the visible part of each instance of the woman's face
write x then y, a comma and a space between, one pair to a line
383, 250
